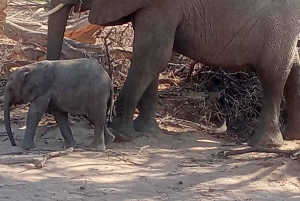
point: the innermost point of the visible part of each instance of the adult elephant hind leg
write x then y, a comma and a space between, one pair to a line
37, 109
292, 96
64, 127
147, 106
152, 48
272, 80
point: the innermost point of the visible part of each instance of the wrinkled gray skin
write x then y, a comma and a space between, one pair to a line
79, 87
259, 35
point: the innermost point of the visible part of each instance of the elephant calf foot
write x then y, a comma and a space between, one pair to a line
148, 125
27, 144
71, 143
290, 133
266, 140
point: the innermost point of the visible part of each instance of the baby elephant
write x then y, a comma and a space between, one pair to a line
79, 87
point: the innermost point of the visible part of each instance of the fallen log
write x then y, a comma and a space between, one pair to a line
70, 49
16, 32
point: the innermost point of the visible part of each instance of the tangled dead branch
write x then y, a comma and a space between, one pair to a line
37, 163
294, 155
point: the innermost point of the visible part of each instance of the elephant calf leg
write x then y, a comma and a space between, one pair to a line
292, 96
147, 107
97, 118
99, 141
64, 127
36, 110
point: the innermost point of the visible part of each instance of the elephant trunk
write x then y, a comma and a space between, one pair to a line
7, 119
56, 27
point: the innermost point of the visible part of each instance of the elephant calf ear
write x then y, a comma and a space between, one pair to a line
37, 79
24, 74
106, 11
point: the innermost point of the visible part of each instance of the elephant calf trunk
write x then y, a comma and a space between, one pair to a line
7, 120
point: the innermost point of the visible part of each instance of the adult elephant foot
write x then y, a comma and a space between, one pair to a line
291, 133
123, 131
148, 125
260, 139
70, 143
27, 144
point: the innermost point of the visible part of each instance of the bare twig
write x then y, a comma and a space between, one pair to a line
120, 156
188, 78
141, 149
107, 53
40, 164
80, 193
225, 153
197, 126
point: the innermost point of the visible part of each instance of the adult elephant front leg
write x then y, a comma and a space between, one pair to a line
292, 96
152, 48
147, 106
272, 74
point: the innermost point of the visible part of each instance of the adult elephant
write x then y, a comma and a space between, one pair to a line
255, 34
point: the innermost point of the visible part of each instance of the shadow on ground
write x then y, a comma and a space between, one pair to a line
177, 164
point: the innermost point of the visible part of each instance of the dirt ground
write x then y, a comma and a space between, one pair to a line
177, 164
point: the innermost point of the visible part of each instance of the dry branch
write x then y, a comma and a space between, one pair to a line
197, 126
290, 153
40, 164
120, 156
29, 159
188, 78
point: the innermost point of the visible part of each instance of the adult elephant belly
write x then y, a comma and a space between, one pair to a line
219, 46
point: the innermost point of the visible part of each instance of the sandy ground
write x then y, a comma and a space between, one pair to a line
174, 165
